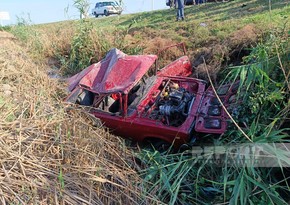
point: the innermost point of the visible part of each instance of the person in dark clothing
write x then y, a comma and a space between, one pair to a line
180, 9
198, 1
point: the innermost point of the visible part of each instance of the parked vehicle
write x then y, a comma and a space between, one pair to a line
166, 107
171, 3
106, 8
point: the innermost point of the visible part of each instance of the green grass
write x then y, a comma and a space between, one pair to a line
265, 93
135, 33
221, 21
181, 178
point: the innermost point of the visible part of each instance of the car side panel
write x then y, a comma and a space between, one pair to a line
140, 129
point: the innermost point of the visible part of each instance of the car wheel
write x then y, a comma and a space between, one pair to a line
96, 15
106, 13
161, 146
158, 145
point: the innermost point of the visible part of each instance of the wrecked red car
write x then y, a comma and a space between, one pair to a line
166, 107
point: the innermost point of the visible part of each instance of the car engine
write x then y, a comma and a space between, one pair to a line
172, 105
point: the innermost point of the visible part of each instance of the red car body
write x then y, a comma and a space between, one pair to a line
168, 106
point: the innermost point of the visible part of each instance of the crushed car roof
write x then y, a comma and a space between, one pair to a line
117, 72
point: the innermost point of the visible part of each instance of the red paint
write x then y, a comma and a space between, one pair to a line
117, 72
155, 115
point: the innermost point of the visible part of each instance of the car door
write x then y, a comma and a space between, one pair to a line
180, 67
105, 6
99, 8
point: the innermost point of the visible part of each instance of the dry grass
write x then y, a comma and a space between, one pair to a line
217, 54
57, 39
50, 155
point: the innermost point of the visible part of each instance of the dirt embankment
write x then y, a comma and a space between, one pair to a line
213, 55
231, 51
48, 156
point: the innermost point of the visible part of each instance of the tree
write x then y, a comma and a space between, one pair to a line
83, 7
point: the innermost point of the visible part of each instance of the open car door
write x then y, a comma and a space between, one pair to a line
179, 67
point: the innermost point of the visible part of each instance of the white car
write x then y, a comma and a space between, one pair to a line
107, 8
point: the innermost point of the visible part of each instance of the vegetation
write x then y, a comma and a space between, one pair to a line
188, 179
83, 7
52, 154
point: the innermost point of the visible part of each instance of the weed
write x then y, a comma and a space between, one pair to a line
25, 31
83, 7
94, 167
262, 84
81, 51
5, 28
265, 90
61, 179
50, 156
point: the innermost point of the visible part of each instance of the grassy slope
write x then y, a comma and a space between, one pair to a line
50, 157
221, 20
148, 32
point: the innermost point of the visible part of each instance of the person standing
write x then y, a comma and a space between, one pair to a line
180, 10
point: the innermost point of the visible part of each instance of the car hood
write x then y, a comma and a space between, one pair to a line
117, 72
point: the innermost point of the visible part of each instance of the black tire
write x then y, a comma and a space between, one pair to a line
158, 145
96, 15
106, 13
161, 146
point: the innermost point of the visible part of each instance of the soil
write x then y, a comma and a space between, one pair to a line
216, 56
213, 55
